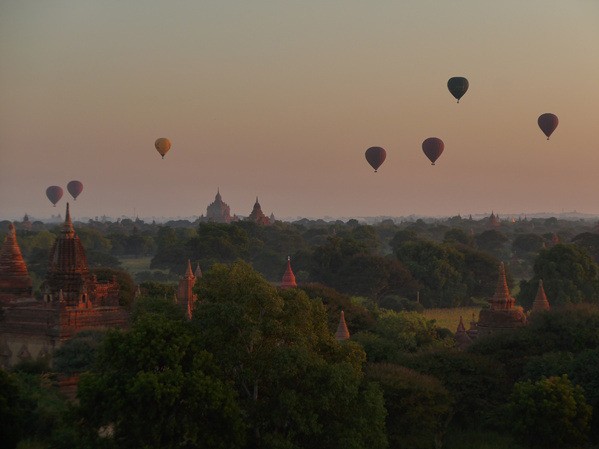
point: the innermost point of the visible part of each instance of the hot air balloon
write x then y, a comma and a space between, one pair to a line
457, 86
433, 147
54, 194
75, 188
548, 122
375, 157
162, 145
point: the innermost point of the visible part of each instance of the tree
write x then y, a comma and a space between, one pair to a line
10, 412
438, 268
590, 242
525, 244
569, 275
418, 407
477, 384
78, 354
295, 383
156, 388
492, 241
550, 413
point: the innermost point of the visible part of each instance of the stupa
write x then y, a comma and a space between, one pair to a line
288, 280
342, 330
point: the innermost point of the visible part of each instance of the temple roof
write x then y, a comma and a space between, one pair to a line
198, 272
288, 277
342, 331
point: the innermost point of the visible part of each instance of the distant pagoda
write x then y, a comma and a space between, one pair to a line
218, 211
257, 216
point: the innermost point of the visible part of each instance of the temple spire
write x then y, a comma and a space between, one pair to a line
198, 272
342, 331
67, 227
189, 273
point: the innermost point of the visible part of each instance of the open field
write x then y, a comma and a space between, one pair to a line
449, 318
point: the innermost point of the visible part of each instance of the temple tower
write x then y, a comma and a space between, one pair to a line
288, 277
68, 270
15, 281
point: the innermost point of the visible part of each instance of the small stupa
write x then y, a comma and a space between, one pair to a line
342, 330
540, 303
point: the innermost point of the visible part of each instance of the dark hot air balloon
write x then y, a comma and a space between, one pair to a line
375, 157
548, 122
162, 145
75, 188
54, 194
457, 86
433, 147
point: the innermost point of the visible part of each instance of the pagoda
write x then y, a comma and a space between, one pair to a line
218, 211
257, 216
502, 312
15, 281
288, 280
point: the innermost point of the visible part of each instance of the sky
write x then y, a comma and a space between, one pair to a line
280, 99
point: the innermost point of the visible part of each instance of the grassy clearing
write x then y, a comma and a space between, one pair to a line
449, 318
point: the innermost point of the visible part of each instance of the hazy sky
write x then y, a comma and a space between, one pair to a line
280, 99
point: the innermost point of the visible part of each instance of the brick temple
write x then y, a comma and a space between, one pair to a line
73, 299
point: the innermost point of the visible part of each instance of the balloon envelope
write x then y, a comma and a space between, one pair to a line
548, 122
458, 86
162, 145
375, 157
75, 188
433, 147
54, 194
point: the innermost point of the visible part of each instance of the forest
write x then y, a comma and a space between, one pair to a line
258, 367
